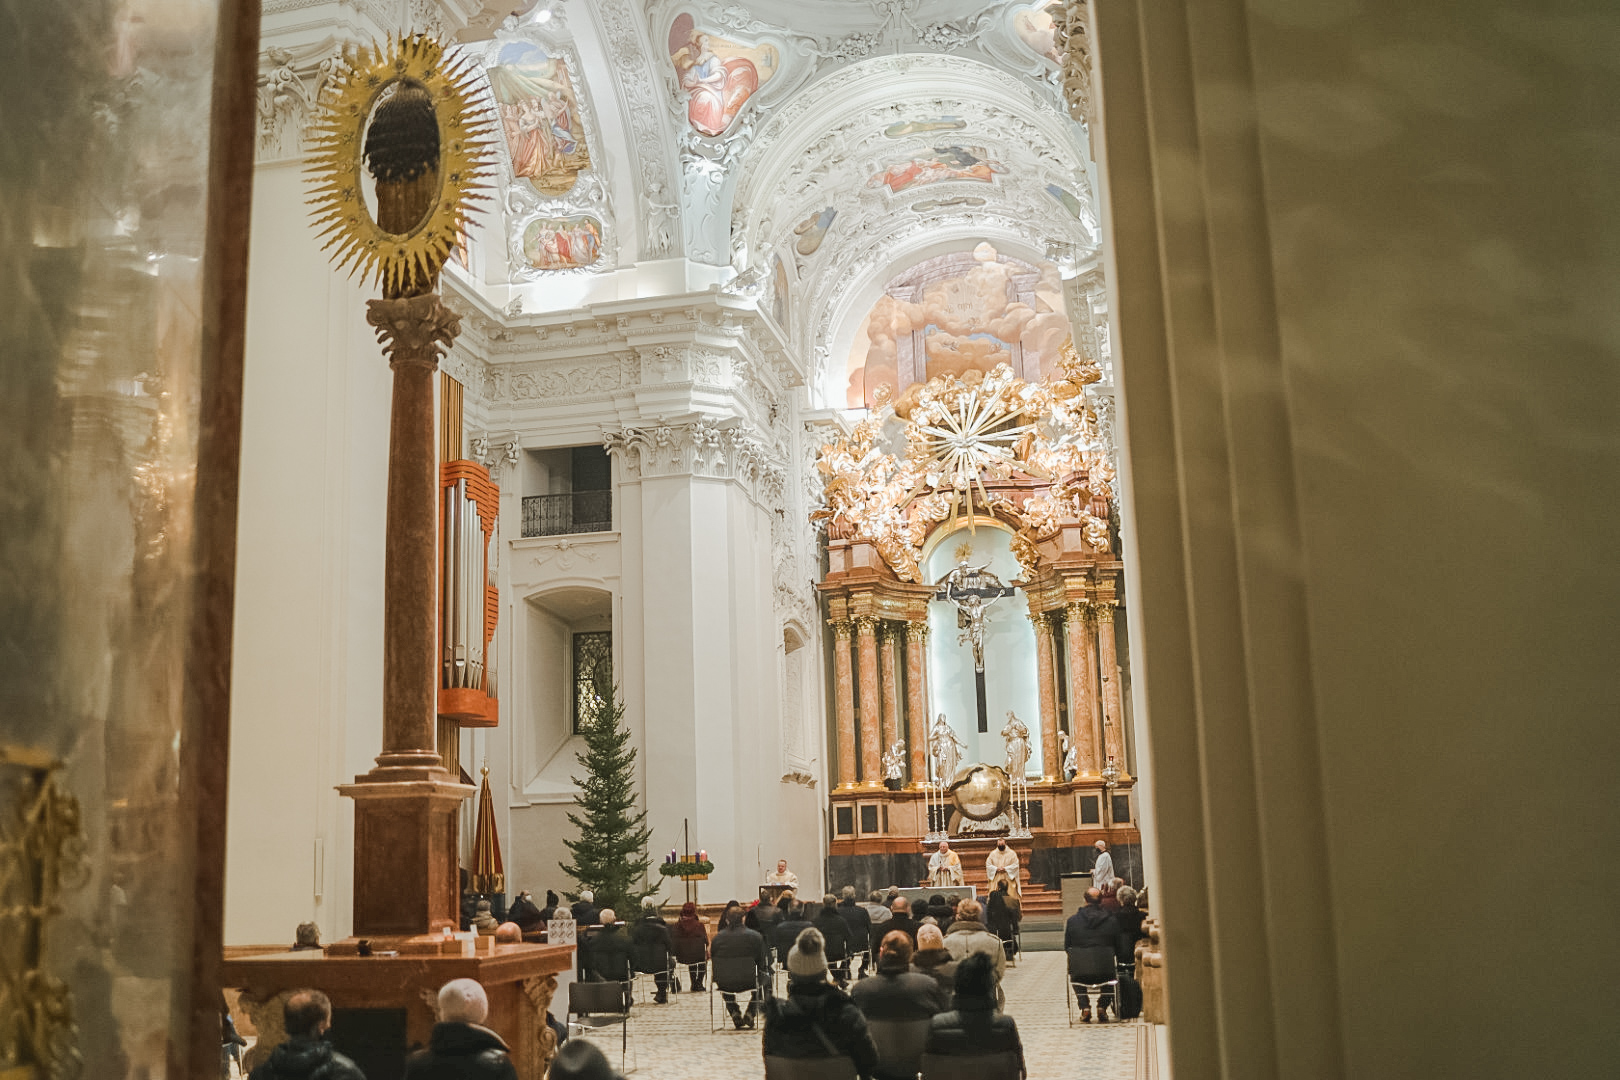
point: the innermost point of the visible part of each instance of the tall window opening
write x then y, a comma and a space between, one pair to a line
593, 673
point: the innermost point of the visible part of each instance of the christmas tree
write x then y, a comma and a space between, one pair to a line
610, 856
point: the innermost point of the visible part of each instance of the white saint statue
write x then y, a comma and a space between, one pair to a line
947, 751
1071, 757
894, 762
1017, 736
944, 867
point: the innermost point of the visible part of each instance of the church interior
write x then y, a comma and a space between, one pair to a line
676, 452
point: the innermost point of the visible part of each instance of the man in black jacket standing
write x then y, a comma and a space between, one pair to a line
860, 926
461, 1048
1093, 939
653, 948
585, 911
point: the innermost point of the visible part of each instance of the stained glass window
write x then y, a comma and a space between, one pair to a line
593, 673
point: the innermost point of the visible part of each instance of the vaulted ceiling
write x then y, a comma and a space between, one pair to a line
803, 152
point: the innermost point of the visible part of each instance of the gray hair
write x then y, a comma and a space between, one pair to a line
1127, 896
849, 892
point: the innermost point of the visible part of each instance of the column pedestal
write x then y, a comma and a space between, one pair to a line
405, 856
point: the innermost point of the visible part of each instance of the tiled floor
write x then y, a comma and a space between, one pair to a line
672, 1042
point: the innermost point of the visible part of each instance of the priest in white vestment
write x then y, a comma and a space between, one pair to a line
944, 867
782, 876
1002, 860
1102, 871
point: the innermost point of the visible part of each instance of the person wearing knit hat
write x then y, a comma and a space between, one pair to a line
817, 1019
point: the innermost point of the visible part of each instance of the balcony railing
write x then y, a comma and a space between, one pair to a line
575, 512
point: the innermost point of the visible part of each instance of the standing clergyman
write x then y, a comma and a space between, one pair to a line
782, 876
1002, 860
944, 866
1102, 871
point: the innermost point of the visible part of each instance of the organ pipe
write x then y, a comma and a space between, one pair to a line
469, 505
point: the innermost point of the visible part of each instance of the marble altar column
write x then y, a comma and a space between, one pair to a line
1108, 661
866, 652
1082, 687
917, 699
405, 837
844, 702
1046, 674
889, 640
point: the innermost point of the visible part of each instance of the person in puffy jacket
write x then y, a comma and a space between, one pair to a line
817, 1019
460, 1047
654, 949
835, 932
691, 944
1094, 941
974, 1025
305, 1055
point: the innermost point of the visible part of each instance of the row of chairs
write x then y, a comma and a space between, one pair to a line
934, 1067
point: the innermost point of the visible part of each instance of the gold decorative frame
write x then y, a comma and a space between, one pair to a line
337, 134
962, 437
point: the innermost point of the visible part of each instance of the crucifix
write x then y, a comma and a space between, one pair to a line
972, 589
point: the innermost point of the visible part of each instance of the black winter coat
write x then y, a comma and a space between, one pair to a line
653, 944
611, 954
939, 965
836, 932
814, 1014
691, 946
858, 921
1093, 940
305, 1057
974, 1026
784, 935
457, 1051
524, 912
586, 914
898, 993
740, 941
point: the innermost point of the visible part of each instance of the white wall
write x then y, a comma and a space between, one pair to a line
307, 678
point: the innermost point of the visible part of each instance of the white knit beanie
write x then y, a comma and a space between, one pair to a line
808, 957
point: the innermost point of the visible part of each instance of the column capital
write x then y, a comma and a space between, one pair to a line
865, 624
917, 630
1042, 621
414, 329
1077, 611
841, 628
1103, 611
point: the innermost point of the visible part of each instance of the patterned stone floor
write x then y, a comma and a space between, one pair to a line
672, 1042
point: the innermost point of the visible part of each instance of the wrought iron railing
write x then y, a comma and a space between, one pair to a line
575, 512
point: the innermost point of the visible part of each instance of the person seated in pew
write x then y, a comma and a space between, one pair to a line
817, 1019
932, 958
974, 1025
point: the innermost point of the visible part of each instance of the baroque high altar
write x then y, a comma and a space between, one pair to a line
943, 691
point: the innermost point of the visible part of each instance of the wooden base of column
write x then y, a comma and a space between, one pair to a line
405, 854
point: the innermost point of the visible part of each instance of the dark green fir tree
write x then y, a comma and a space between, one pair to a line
610, 856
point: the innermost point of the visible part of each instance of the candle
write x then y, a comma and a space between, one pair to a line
703, 856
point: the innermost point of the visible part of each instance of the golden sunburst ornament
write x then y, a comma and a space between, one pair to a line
405, 114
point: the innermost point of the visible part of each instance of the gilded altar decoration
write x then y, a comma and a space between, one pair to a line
403, 113
1029, 454
42, 855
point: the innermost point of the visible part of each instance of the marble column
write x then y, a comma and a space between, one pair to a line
1082, 687
405, 809
866, 652
889, 641
844, 702
917, 699
1046, 674
1108, 661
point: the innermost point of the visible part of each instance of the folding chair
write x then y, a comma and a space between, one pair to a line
1002, 1066
597, 1005
732, 975
822, 1068
899, 1044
